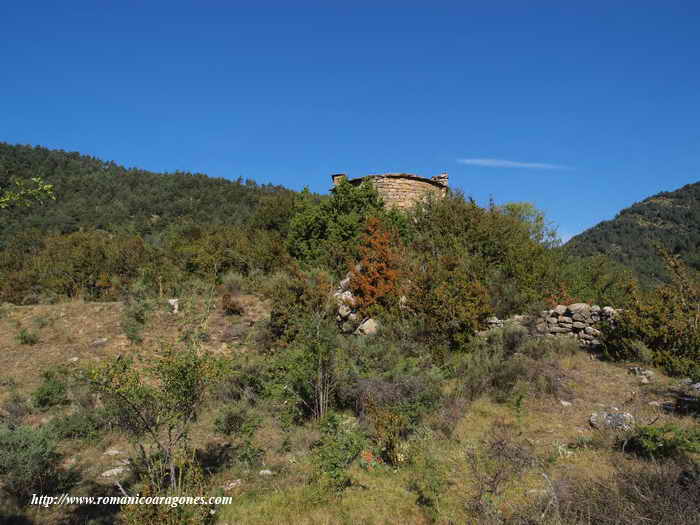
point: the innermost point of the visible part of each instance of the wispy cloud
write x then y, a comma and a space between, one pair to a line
502, 163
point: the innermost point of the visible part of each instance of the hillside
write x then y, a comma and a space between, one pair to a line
670, 218
178, 336
94, 194
532, 448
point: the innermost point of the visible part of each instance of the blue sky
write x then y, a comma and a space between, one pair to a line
581, 110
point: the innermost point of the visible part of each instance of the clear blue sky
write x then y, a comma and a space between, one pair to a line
593, 108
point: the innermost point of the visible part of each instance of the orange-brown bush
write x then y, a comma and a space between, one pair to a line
379, 267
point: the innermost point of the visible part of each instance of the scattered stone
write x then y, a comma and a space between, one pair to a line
559, 330
578, 325
232, 484
565, 403
113, 452
265, 472
644, 380
578, 308
641, 372
656, 403
174, 305
73, 360
99, 342
368, 327
696, 386
612, 420
560, 309
113, 472
346, 298
344, 285
344, 311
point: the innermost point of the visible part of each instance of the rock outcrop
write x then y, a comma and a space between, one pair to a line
347, 316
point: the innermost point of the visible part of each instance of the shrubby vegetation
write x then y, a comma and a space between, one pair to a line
662, 326
385, 403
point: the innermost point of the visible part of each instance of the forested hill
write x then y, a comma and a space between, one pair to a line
94, 194
671, 218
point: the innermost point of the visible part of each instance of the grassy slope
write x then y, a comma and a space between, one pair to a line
68, 330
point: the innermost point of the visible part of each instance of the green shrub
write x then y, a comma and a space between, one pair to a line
242, 379
52, 392
15, 409
507, 362
338, 447
659, 492
40, 321
25, 337
446, 301
134, 317
428, 482
498, 461
325, 232
236, 421
304, 378
29, 462
662, 324
663, 441
79, 425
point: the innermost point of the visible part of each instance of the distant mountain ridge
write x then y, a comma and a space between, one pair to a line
94, 194
671, 218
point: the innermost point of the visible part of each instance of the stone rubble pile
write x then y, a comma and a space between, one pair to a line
579, 320
348, 318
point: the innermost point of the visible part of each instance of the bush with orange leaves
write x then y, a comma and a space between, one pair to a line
378, 275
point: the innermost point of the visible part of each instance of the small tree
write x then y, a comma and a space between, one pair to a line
155, 408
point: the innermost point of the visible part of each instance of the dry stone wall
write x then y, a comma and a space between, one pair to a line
580, 320
403, 190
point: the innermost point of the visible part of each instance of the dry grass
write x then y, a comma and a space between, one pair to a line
72, 330
547, 426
